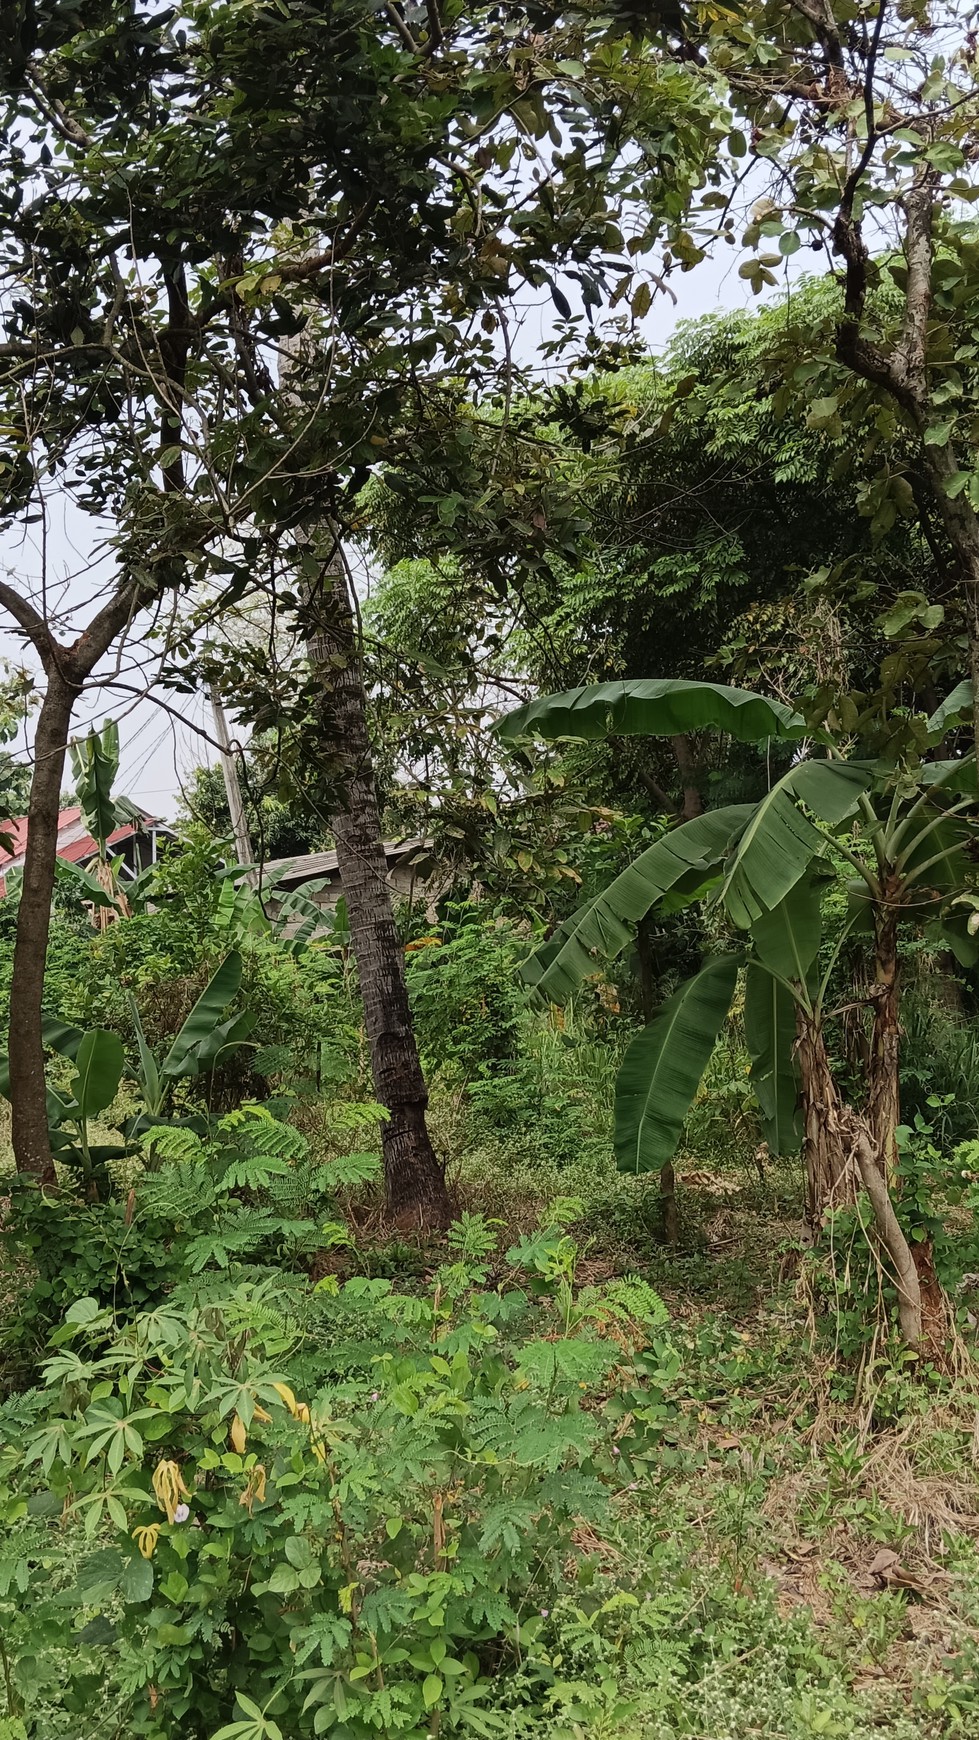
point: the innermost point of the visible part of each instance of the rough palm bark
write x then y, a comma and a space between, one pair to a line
414, 1182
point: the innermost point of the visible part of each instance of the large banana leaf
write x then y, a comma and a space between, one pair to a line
941, 860
769, 1019
956, 708
786, 941
606, 925
952, 776
57, 1107
59, 1036
86, 884
780, 842
99, 1062
662, 1069
225, 1037
95, 763
203, 1018
652, 707
149, 1073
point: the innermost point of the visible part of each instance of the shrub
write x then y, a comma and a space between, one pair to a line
340, 1515
465, 996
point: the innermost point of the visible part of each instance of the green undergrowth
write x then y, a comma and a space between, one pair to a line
493, 1488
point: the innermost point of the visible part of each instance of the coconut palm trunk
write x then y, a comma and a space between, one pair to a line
414, 1182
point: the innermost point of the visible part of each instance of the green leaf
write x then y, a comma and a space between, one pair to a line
86, 884
956, 709
284, 1580
788, 937
137, 1580
662, 1069
605, 925
202, 1020
938, 433
299, 1552
95, 763
651, 707
780, 842
100, 1061
432, 1688
149, 1074
59, 1037
822, 412
769, 1020
786, 941
955, 484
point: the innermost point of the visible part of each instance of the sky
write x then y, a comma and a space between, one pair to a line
161, 748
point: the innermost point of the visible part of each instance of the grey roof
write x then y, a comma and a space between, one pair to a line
315, 864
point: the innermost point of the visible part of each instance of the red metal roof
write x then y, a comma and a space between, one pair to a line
74, 843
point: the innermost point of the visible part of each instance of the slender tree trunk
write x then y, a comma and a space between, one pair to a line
828, 1176
28, 1094
414, 1182
686, 761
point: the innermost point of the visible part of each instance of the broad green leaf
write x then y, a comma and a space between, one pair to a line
956, 709
203, 1018
149, 1074
788, 938
88, 885
787, 941
95, 763
780, 842
137, 1580
952, 776
662, 1069
652, 707
99, 1062
60, 1037
225, 1037
604, 926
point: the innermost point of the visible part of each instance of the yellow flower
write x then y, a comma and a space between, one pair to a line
169, 1488
238, 1434
146, 1538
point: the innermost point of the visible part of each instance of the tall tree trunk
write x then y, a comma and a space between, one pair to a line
828, 1177
413, 1179
28, 1094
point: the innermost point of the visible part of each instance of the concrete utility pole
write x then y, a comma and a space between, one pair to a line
239, 824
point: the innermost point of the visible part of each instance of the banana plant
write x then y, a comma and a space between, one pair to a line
202, 1040
100, 1065
898, 833
95, 765
297, 920
99, 1062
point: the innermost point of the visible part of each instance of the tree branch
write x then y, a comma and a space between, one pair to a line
27, 618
